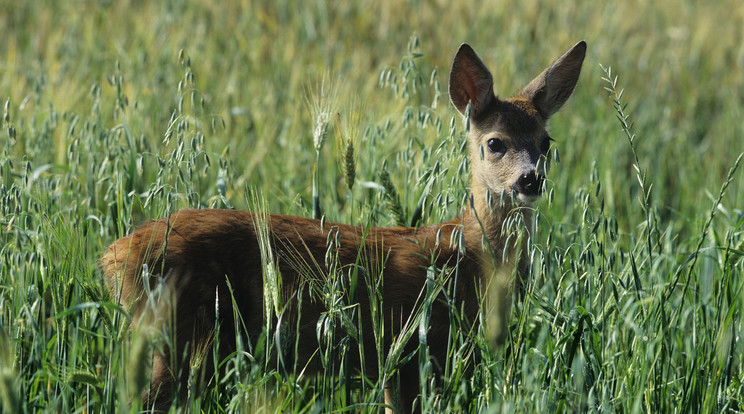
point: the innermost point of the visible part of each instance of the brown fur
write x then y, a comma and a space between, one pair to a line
198, 251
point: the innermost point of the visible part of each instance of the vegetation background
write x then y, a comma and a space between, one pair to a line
121, 111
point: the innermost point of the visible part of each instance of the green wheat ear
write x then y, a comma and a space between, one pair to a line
392, 200
349, 167
350, 133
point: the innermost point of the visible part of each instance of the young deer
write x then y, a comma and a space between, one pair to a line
199, 253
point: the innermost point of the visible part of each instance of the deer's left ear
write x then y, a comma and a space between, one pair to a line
552, 88
470, 81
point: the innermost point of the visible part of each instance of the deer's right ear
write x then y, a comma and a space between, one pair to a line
470, 81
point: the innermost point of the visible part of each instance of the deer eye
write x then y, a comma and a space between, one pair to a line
496, 146
545, 145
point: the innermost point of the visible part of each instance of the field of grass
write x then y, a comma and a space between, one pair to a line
119, 112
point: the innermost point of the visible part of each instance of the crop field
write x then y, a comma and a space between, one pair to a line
118, 112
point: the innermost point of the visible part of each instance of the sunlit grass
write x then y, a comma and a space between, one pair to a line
134, 109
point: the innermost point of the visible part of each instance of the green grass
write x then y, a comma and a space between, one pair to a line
118, 112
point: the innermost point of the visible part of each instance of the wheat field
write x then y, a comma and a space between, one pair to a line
116, 112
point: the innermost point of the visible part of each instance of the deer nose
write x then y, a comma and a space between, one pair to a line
530, 184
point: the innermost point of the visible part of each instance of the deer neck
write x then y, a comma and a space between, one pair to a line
492, 230
495, 238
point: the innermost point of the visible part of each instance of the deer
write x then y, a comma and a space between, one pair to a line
205, 256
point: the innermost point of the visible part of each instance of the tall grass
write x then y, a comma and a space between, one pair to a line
135, 109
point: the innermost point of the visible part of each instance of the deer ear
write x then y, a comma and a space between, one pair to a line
470, 81
552, 88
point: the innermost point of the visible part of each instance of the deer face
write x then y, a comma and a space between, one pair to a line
509, 150
508, 141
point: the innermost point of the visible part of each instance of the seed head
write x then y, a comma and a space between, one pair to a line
349, 167
322, 103
350, 133
322, 126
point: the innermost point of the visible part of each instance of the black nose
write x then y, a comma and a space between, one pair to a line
530, 183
